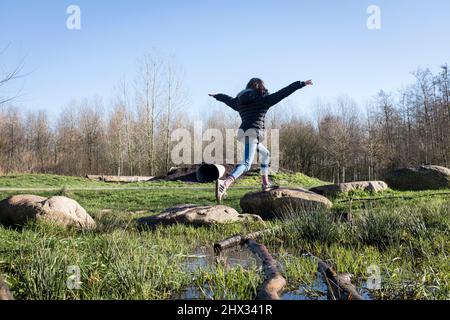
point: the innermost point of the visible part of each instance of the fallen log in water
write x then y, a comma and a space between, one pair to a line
5, 294
274, 282
119, 179
339, 286
237, 240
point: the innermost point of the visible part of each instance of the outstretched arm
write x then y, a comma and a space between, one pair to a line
229, 101
276, 97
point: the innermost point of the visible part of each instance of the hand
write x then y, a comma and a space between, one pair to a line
309, 82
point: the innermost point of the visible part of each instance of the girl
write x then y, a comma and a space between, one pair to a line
252, 105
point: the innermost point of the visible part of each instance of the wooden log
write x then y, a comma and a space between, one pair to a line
237, 240
125, 179
5, 293
339, 286
274, 282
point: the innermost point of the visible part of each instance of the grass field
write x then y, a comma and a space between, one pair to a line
404, 235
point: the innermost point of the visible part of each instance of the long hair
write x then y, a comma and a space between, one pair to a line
258, 85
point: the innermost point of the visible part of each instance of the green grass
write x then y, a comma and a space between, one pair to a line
283, 179
45, 181
49, 181
409, 242
405, 234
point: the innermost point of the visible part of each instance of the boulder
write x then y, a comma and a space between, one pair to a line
419, 178
334, 189
190, 214
282, 202
17, 210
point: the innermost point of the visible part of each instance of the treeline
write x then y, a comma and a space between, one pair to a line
131, 137
344, 142
408, 128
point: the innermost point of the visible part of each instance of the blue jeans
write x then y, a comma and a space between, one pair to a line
251, 146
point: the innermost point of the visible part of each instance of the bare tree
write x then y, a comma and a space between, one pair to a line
117, 138
91, 127
149, 86
175, 98
68, 141
8, 76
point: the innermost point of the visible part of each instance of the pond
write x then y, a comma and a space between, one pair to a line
204, 259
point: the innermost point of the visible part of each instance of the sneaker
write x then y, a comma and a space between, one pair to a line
221, 190
268, 187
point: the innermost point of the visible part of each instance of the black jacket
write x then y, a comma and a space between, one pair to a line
252, 106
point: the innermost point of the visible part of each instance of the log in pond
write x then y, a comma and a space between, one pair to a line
239, 240
339, 286
234, 241
274, 282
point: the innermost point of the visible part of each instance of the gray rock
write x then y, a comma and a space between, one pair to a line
419, 178
279, 203
190, 214
17, 210
335, 189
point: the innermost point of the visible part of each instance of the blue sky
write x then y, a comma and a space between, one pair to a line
221, 44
